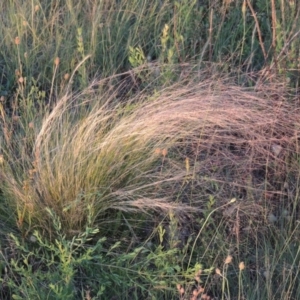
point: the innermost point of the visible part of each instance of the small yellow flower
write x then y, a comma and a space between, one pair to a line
17, 40
228, 260
157, 151
66, 76
181, 291
218, 272
164, 152
56, 61
241, 266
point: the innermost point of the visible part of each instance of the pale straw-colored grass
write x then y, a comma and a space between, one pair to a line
92, 151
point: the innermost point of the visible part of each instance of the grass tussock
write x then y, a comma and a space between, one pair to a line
91, 151
202, 155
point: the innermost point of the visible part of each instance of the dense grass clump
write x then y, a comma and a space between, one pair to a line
149, 149
97, 165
